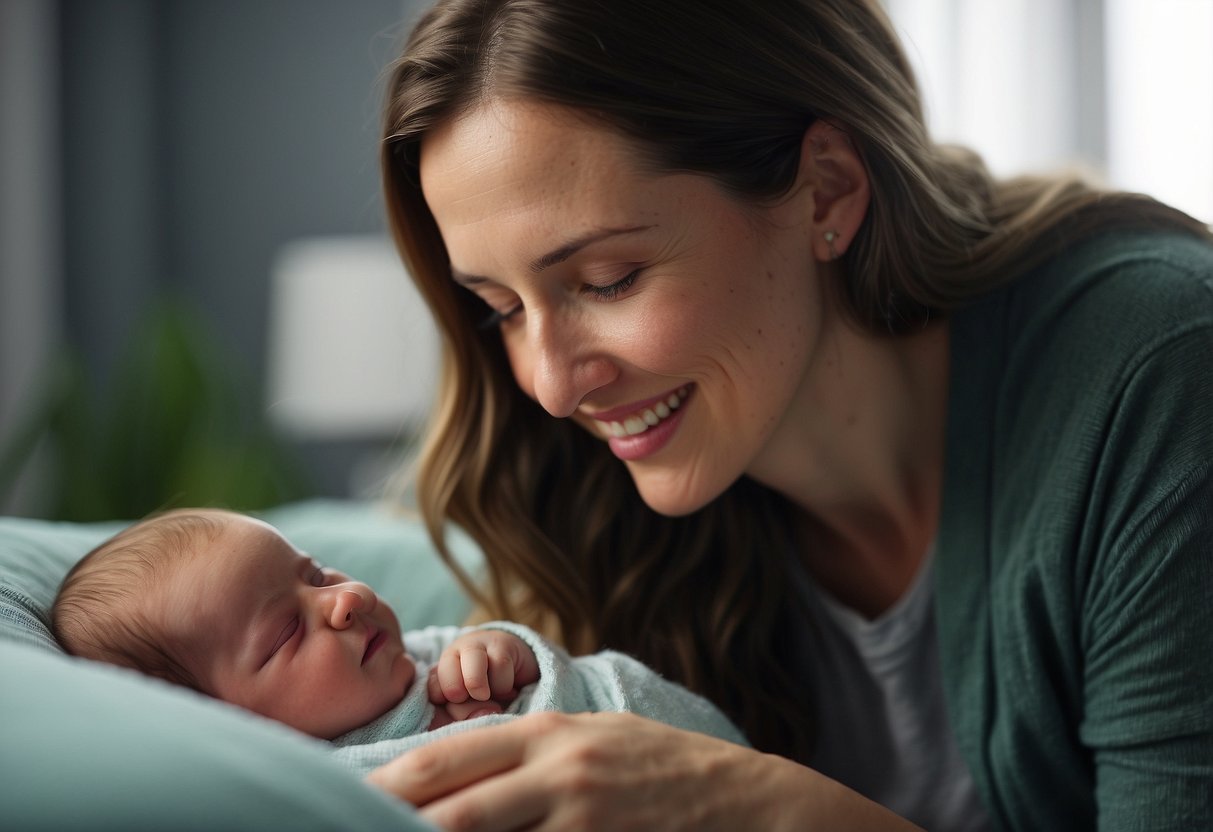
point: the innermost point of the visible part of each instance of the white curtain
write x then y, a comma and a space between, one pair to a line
1123, 88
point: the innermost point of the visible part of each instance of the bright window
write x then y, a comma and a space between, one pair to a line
1122, 87
1160, 100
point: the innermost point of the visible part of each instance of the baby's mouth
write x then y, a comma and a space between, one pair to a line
372, 647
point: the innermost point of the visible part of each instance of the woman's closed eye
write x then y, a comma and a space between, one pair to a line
610, 291
499, 316
501, 303
613, 290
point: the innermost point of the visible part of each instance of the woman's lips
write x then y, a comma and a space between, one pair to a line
639, 417
632, 446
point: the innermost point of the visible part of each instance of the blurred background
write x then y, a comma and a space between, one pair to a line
198, 303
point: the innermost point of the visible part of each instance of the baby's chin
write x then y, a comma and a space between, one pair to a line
401, 677
409, 671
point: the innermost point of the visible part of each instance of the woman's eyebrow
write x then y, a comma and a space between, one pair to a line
556, 255
559, 255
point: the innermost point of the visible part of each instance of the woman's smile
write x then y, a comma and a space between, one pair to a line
636, 418
641, 429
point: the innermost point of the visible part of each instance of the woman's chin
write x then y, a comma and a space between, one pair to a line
673, 498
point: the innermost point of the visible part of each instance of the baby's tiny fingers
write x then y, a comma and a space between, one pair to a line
460, 711
501, 672
450, 677
434, 687
475, 664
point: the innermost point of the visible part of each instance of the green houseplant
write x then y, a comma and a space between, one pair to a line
178, 425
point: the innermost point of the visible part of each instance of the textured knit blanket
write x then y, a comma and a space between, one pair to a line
606, 681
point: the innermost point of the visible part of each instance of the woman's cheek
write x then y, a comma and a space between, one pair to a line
521, 360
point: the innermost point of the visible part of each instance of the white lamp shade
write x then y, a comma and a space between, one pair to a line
352, 352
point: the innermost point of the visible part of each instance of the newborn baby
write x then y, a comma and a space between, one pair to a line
222, 603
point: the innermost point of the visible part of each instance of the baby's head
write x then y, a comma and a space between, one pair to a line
222, 603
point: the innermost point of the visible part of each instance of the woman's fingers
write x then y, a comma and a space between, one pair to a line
512, 799
541, 771
610, 771
440, 768
567, 772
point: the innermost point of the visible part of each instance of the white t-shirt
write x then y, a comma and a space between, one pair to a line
882, 726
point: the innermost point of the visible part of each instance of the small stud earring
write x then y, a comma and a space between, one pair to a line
831, 236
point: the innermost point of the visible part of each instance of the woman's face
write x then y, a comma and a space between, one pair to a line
674, 322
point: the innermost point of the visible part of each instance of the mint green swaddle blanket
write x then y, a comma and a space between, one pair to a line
605, 681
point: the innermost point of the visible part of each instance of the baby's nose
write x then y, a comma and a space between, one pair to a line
350, 598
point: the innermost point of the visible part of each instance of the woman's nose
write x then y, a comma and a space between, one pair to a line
346, 599
564, 366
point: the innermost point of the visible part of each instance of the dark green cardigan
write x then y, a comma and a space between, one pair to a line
1075, 553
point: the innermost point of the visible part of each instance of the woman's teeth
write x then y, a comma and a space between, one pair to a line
648, 417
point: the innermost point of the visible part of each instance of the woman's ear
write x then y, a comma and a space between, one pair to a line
833, 174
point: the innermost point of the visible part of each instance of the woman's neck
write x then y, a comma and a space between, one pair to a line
861, 451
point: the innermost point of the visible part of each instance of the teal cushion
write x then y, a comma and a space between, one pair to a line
91, 746
34, 557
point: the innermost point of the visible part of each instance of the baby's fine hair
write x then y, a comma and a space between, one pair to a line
102, 612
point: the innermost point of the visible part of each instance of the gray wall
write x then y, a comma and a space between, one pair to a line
201, 135
191, 139
31, 292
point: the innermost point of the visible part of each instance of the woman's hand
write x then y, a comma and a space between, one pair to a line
553, 771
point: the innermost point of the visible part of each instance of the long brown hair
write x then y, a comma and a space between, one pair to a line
726, 90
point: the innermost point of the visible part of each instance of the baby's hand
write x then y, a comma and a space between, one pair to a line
483, 665
459, 711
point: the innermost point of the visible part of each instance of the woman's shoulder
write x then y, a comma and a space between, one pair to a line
1121, 286
1090, 377
1078, 325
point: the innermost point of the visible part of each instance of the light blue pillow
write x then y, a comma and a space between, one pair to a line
85, 745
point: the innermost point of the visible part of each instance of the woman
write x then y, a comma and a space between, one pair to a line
905, 467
